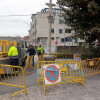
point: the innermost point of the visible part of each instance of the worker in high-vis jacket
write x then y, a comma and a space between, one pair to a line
40, 52
13, 54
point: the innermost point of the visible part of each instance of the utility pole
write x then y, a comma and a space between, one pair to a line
49, 57
50, 17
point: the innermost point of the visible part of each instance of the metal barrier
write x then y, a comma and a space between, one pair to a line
62, 55
13, 76
29, 63
41, 57
67, 71
91, 66
69, 55
4, 47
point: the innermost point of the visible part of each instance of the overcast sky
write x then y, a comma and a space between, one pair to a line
14, 26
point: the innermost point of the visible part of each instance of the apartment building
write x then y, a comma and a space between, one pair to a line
60, 33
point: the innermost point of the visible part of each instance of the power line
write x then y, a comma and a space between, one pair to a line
14, 15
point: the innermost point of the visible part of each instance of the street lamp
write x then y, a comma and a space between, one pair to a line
18, 37
30, 41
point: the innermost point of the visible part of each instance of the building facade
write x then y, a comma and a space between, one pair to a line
60, 33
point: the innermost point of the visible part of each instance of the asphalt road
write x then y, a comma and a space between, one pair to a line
68, 91
90, 91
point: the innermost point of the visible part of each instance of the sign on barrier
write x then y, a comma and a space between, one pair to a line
74, 66
51, 74
77, 57
59, 72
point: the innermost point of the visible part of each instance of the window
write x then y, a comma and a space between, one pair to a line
62, 12
67, 21
58, 11
67, 30
62, 40
60, 30
76, 40
60, 21
52, 38
75, 32
65, 39
54, 10
68, 39
80, 44
52, 30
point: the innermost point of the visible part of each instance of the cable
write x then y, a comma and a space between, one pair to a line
14, 15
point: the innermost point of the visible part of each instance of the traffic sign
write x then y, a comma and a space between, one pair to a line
77, 57
52, 74
56, 42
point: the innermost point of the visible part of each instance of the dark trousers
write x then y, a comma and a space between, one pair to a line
33, 60
15, 62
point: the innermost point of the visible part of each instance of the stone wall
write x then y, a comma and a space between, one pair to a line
74, 49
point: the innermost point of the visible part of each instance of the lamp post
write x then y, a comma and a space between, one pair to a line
18, 38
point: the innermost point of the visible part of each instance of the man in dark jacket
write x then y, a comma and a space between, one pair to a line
31, 51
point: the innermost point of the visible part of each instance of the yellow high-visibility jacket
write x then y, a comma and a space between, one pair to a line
13, 51
40, 50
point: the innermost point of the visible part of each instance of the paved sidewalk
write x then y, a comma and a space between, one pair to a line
67, 91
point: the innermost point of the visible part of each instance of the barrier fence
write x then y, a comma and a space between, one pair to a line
50, 73
83, 56
5, 46
91, 66
41, 57
59, 72
64, 55
13, 76
29, 63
